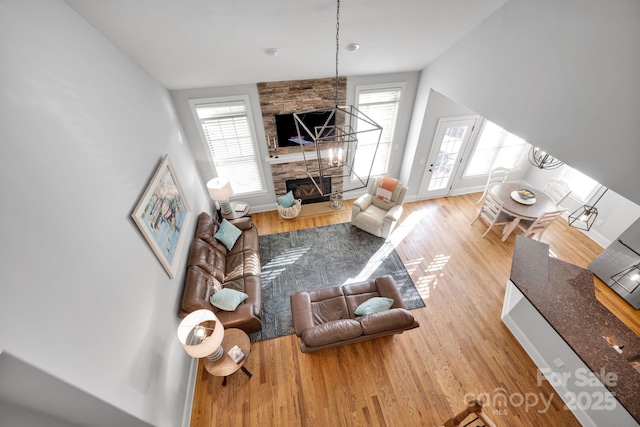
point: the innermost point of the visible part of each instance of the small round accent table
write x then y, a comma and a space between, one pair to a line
224, 366
235, 214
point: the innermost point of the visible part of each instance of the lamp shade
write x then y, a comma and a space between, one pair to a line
200, 333
220, 188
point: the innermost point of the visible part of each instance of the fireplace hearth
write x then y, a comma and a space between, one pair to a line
305, 190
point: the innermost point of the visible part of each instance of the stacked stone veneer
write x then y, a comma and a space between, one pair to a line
291, 97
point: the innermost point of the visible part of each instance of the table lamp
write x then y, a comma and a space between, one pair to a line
201, 334
220, 190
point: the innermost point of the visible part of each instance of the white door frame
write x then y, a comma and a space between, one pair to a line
436, 143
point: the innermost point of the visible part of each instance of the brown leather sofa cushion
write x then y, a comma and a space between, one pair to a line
242, 264
357, 293
332, 331
387, 320
200, 288
247, 241
208, 259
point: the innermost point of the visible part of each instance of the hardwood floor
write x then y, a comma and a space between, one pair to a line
421, 377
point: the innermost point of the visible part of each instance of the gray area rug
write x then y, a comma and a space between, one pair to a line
321, 257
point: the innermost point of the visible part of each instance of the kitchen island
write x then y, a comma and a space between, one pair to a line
581, 348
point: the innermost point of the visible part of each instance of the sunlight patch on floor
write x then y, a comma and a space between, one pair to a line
429, 281
413, 265
372, 265
279, 264
424, 285
404, 228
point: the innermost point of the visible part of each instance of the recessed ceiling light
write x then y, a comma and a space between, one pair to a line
352, 47
272, 52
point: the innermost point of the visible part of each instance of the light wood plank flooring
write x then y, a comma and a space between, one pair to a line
421, 377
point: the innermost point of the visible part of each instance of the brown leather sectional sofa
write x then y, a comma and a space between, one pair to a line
325, 318
211, 266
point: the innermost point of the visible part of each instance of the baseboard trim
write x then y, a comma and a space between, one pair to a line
191, 391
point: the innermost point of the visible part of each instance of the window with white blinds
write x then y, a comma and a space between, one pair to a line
582, 186
226, 130
496, 148
380, 105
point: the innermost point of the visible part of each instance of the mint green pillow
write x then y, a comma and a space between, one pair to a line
228, 299
228, 234
287, 200
374, 305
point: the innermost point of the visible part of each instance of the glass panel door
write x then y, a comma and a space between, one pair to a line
449, 143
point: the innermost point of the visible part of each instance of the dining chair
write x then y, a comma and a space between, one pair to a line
558, 190
491, 211
536, 228
496, 176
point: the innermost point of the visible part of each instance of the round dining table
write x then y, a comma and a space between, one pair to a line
518, 208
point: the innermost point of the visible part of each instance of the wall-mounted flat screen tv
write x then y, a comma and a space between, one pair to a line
288, 135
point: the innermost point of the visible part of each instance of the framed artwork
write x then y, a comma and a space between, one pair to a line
162, 214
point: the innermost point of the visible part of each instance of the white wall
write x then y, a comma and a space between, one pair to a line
84, 299
561, 75
30, 397
16, 416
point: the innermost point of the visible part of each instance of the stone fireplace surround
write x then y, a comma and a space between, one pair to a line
289, 97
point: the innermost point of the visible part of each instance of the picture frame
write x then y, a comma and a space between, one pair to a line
162, 215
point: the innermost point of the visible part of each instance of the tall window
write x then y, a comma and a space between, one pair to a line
226, 131
496, 148
381, 105
582, 186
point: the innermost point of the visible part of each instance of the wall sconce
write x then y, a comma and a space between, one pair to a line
220, 190
629, 278
201, 334
584, 217
543, 160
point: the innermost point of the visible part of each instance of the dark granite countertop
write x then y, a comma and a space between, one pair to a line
564, 294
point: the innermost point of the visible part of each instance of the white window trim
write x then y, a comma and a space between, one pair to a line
474, 146
384, 87
194, 103
590, 197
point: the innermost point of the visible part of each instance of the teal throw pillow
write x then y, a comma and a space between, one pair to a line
374, 305
287, 200
228, 299
228, 234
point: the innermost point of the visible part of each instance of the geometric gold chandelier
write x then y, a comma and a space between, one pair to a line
329, 145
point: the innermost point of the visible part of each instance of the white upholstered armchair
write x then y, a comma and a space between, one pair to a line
376, 216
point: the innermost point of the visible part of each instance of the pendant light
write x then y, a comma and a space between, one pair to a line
543, 160
584, 217
331, 152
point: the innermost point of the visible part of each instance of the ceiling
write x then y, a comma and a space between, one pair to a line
204, 43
